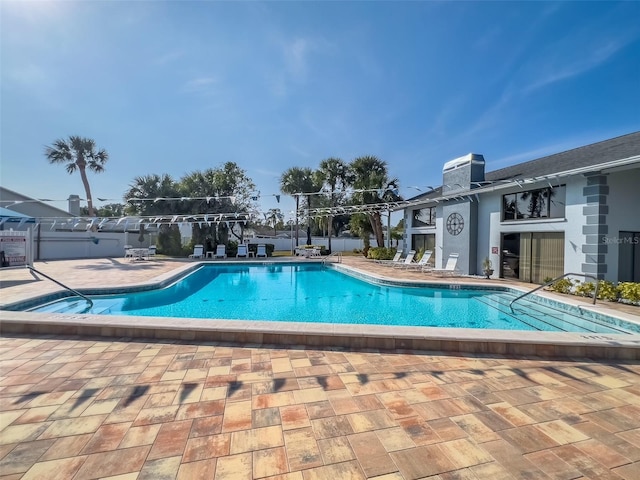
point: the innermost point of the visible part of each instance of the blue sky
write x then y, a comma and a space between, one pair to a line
174, 87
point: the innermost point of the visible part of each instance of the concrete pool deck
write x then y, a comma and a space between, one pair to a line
18, 285
78, 407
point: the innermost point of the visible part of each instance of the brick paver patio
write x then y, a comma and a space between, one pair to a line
84, 408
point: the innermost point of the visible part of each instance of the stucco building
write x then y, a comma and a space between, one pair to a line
575, 211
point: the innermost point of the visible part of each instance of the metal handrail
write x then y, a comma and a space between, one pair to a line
75, 292
337, 255
586, 275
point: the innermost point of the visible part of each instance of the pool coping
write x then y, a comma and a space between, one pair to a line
381, 337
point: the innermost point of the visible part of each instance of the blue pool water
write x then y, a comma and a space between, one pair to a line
321, 294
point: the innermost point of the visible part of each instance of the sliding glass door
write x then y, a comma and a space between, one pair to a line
533, 257
629, 257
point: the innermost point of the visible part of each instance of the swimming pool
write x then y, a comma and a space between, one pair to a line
315, 293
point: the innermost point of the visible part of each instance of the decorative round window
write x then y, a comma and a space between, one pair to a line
455, 223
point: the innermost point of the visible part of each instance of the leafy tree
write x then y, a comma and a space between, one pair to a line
78, 153
227, 189
109, 210
296, 181
335, 175
371, 178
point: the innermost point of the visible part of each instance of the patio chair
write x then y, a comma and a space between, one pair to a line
128, 252
242, 251
221, 251
396, 258
407, 260
261, 251
451, 268
152, 251
198, 251
422, 264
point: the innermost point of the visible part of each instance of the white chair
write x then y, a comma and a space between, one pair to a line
198, 251
422, 264
128, 252
451, 268
152, 251
262, 251
407, 260
242, 251
221, 251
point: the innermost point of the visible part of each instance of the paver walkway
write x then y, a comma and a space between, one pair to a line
83, 408
89, 408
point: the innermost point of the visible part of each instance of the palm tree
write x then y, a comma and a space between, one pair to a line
273, 217
296, 181
150, 187
78, 153
335, 174
373, 185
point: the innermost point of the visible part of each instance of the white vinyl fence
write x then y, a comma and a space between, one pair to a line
46, 244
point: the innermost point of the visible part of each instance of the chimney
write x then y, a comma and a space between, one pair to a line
74, 205
460, 174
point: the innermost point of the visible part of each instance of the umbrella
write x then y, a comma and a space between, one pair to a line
308, 234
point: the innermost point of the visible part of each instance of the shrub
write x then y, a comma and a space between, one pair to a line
564, 285
269, 247
381, 253
232, 248
607, 291
585, 289
629, 291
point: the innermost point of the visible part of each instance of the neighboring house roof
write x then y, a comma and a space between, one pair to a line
29, 206
606, 151
13, 216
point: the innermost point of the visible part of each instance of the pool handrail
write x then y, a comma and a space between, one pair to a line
586, 275
75, 292
335, 255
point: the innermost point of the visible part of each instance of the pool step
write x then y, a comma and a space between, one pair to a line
526, 318
75, 306
557, 318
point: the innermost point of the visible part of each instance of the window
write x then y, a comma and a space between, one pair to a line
539, 203
424, 217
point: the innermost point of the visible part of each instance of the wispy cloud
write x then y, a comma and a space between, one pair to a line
199, 84
295, 54
565, 68
296, 57
169, 57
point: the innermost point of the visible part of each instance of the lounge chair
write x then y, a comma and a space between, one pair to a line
451, 268
128, 251
242, 251
396, 258
422, 264
198, 251
221, 251
407, 260
262, 251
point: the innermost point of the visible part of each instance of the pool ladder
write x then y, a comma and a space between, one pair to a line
335, 256
586, 275
75, 292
